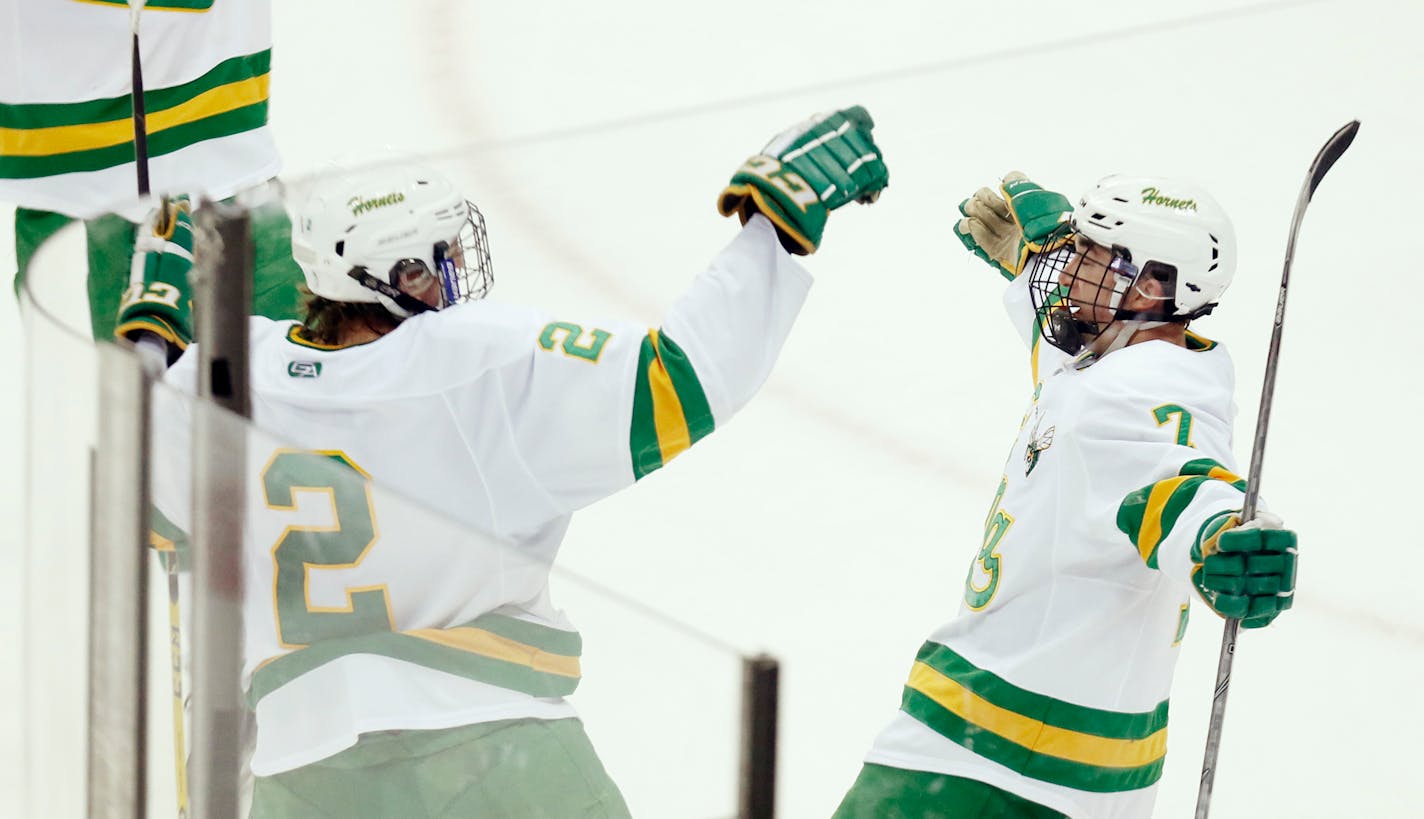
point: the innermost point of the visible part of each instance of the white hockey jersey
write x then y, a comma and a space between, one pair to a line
399, 540
66, 133
1053, 681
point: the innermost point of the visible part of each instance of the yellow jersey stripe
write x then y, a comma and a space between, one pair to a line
1033, 734
1151, 532
63, 139
489, 644
668, 417
1222, 474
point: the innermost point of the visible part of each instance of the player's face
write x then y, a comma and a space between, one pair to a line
457, 253
1089, 279
419, 282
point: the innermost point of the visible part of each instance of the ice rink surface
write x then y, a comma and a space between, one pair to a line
831, 524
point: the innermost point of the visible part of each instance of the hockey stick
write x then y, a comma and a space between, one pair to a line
140, 110
1324, 160
175, 646
175, 656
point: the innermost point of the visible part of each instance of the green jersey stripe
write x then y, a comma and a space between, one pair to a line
483, 650
168, 540
161, 5
1147, 515
160, 143
1199, 344
552, 640
670, 408
696, 412
47, 139
27, 116
643, 434
1044, 767
1206, 467
1046, 709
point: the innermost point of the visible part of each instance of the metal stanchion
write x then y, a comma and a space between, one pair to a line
760, 682
118, 590
222, 288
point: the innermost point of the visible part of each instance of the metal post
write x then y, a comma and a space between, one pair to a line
760, 682
118, 590
222, 286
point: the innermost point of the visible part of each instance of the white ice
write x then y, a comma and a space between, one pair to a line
832, 522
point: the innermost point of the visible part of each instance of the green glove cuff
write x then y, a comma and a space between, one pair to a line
764, 185
158, 298
1005, 226
1038, 212
806, 172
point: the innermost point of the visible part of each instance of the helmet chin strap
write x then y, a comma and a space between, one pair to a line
1121, 331
408, 305
1113, 338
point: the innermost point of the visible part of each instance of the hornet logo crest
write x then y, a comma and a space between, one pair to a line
1037, 445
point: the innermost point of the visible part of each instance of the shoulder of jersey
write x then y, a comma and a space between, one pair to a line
1202, 372
487, 332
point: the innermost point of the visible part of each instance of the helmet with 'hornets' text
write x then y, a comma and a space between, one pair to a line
379, 234
1165, 237
1169, 229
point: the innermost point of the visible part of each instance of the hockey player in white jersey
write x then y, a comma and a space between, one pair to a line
397, 670
1047, 696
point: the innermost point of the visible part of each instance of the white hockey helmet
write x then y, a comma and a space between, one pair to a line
1164, 226
363, 236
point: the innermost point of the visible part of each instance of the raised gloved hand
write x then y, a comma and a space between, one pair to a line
1003, 227
807, 171
158, 301
1246, 571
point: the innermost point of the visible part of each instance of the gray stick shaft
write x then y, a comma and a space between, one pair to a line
1248, 511
1318, 168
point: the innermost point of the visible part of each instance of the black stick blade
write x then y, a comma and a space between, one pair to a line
1331, 152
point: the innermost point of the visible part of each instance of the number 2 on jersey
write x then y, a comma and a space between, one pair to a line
342, 544
572, 339
988, 564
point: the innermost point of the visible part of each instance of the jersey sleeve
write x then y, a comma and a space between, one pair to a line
597, 406
1161, 458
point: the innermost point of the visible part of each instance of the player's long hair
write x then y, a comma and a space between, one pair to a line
325, 321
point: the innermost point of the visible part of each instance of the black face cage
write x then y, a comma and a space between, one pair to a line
1067, 323
470, 274
462, 270
1051, 276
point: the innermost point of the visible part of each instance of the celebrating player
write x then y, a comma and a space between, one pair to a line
397, 671
1047, 695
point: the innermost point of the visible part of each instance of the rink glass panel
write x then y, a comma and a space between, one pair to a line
659, 701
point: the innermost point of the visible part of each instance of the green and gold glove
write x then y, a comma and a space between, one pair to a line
806, 172
1246, 572
1004, 227
159, 299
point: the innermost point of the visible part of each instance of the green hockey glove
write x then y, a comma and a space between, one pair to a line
1004, 227
806, 172
1246, 572
159, 299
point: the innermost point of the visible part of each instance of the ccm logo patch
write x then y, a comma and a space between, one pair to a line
304, 369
